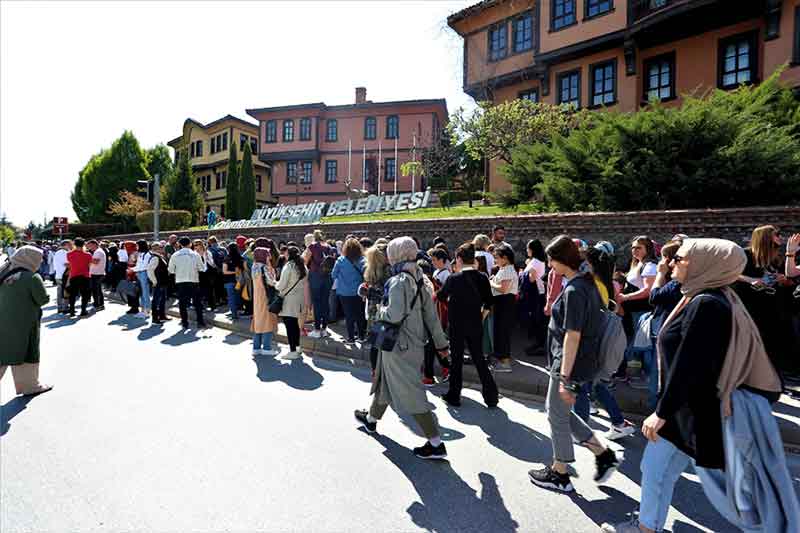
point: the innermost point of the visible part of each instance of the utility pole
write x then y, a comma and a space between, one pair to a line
156, 204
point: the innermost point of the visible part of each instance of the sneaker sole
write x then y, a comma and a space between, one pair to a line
605, 477
619, 435
432, 457
552, 486
364, 425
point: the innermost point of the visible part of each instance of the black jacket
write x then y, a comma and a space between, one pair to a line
467, 293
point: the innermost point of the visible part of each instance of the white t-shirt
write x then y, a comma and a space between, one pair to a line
507, 273
98, 269
441, 275
122, 256
537, 266
142, 259
59, 262
635, 278
489, 259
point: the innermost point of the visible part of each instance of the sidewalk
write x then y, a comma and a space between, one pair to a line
529, 379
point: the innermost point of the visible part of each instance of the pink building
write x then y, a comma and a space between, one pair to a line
313, 148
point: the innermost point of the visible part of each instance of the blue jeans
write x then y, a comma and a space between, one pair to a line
662, 465
262, 341
604, 396
320, 292
354, 316
160, 301
233, 299
144, 283
650, 371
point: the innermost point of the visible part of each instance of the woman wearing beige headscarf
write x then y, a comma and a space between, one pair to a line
708, 347
22, 295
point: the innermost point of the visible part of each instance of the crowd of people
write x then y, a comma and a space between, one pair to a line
710, 330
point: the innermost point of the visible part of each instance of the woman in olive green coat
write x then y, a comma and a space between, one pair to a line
22, 295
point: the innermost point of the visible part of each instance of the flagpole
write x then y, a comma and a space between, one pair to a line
396, 165
380, 157
364, 169
414, 159
349, 164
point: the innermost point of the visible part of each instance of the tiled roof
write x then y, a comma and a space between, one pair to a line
471, 10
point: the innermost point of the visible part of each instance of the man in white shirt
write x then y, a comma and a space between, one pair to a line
97, 269
60, 265
186, 265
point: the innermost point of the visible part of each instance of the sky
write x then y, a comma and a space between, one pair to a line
75, 75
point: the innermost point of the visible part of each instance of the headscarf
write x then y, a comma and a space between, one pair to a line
261, 255
240, 240
262, 242
716, 264
27, 257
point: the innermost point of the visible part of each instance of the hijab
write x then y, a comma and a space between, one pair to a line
240, 240
28, 258
716, 264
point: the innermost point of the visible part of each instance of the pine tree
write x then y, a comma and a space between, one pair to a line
232, 211
247, 184
183, 192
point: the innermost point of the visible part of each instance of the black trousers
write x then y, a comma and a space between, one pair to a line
190, 293
504, 319
79, 286
97, 290
430, 355
471, 337
292, 331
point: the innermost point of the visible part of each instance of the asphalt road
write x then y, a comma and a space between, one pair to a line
151, 429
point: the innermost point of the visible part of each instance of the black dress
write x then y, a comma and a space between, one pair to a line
694, 345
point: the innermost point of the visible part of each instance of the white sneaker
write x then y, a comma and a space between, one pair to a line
625, 429
258, 352
316, 334
324, 333
270, 352
292, 355
140, 315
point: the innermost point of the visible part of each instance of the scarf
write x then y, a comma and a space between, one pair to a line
716, 264
27, 257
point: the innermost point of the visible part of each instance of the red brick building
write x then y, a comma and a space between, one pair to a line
618, 54
313, 148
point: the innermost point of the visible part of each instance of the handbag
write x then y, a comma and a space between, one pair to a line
643, 338
276, 304
383, 335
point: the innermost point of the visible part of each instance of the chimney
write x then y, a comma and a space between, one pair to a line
361, 95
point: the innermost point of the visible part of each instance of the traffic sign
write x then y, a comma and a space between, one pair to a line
60, 225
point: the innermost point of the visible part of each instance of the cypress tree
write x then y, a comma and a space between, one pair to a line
232, 211
247, 184
182, 191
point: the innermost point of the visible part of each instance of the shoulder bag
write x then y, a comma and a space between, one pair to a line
276, 304
383, 335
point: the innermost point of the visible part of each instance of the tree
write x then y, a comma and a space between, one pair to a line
471, 177
105, 175
183, 193
127, 206
247, 185
450, 167
493, 131
159, 162
232, 186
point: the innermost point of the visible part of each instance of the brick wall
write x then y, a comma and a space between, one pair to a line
734, 224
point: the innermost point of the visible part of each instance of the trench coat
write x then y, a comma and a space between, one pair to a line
294, 299
397, 373
21, 299
263, 321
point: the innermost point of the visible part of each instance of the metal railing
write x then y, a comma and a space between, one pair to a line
643, 8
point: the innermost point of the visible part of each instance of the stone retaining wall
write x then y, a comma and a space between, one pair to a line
734, 224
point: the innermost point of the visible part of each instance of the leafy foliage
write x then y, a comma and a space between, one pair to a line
182, 191
451, 168
232, 186
168, 220
127, 206
247, 184
735, 148
106, 174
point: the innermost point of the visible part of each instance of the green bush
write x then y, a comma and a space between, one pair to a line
736, 148
88, 231
168, 220
449, 198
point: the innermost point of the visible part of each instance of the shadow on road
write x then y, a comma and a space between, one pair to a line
129, 321
182, 337
153, 331
234, 339
11, 409
296, 373
360, 374
442, 490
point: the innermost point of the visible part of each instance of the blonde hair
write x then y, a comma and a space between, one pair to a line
376, 265
318, 235
764, 253
481, 242
199, 243
308, 239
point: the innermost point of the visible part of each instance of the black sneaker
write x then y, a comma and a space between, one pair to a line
361, 416
429, 451
607, 464
550, 479
450, 401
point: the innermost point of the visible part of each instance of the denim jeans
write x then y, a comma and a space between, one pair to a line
354, 316
144, 296
160, 301
604, 396
262, 341
63, 303
564, 423
650, 372
662, 465
233, 299
320, 292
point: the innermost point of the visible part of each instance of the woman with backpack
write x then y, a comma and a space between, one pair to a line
348, 273
264, 323
575, 330
320, 259
376, 273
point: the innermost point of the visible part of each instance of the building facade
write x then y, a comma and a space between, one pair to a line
208, 149
621, 54
314, 149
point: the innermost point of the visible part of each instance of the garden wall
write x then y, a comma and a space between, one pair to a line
734, 224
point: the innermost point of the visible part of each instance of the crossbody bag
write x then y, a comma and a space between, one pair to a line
383, 335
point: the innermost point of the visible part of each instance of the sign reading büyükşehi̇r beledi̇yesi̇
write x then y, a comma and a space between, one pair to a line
311, 213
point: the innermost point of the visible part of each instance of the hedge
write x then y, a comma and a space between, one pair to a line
168, 221
88, 231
